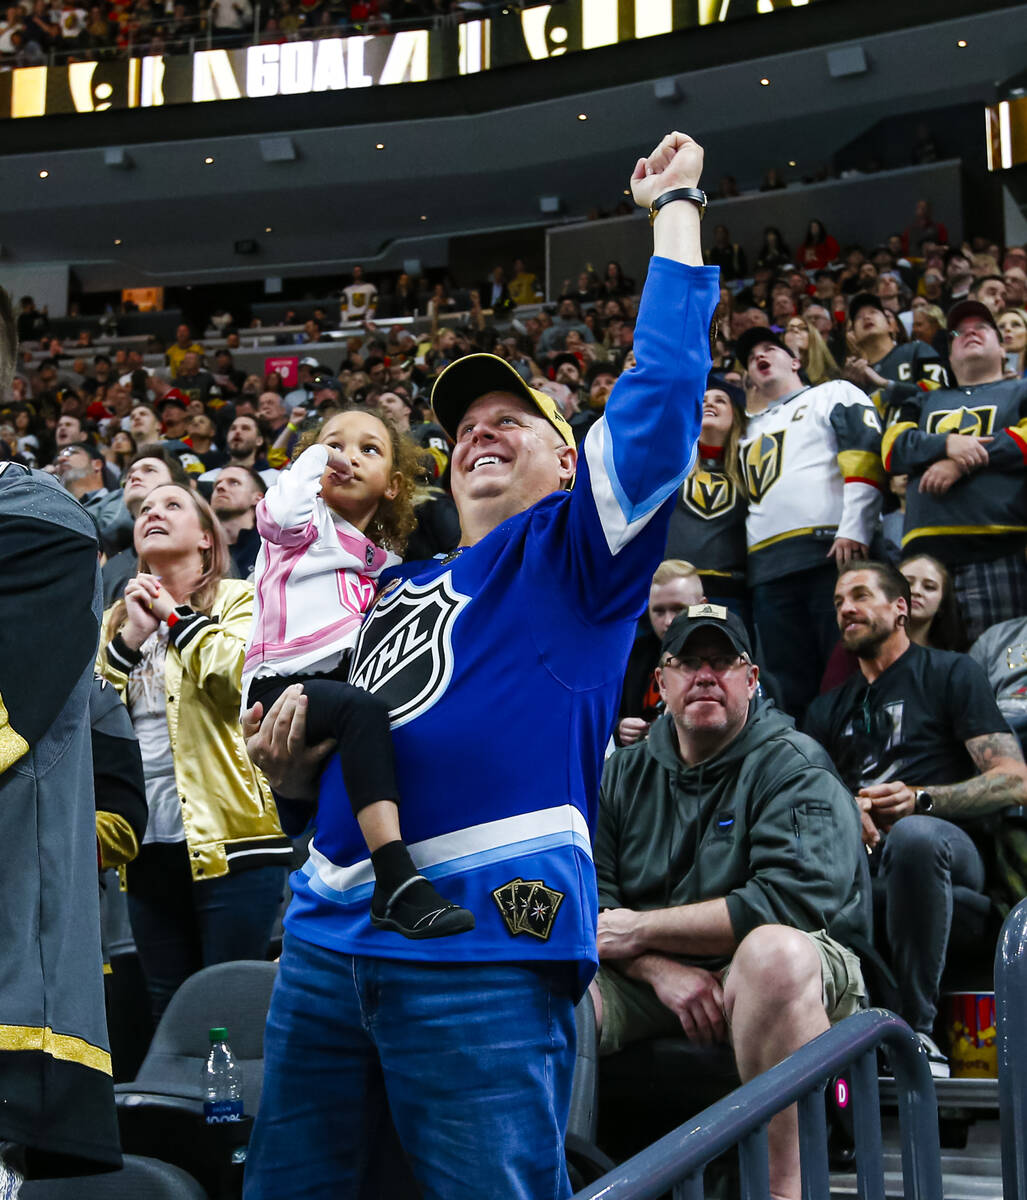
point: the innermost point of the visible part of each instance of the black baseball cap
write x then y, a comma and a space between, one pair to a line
734, 393
969, 308
754, 337
706, 616
173, 396
559, 360
863, 300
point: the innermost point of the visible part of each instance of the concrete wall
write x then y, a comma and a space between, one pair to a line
863, 209
46, 283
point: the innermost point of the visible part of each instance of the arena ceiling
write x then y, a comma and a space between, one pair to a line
171, 217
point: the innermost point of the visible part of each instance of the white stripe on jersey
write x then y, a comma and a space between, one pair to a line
451, 850
616, 515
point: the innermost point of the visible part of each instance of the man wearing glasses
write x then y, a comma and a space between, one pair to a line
965, 451
727, 853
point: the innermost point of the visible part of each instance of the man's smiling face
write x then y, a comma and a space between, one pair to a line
506, 450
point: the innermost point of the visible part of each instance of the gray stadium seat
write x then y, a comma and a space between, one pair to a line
235, 995
139, 1179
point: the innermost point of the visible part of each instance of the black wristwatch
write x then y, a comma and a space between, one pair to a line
923, 802
696, 195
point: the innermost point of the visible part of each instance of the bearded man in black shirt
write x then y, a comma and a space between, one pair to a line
907, 733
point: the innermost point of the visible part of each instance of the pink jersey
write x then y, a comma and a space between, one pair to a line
314, 577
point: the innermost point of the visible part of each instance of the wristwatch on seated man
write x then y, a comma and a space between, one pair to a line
922, 800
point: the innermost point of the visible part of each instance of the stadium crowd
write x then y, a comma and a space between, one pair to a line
35, 31
851, 532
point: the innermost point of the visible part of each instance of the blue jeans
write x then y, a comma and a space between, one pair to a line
474, 1062
180, 926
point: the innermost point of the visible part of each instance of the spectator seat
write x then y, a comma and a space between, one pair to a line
138, 1179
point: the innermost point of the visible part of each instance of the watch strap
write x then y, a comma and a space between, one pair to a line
695, 195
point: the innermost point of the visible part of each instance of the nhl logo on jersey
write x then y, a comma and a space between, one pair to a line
973, 422
763, 463
708, 495
528, 906
404, 653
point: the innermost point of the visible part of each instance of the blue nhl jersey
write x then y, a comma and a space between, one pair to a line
502, 668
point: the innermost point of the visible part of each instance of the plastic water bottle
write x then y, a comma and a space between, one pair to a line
222, 1081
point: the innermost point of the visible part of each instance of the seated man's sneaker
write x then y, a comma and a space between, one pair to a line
939, 1063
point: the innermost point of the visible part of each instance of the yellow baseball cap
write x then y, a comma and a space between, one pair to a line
474, 375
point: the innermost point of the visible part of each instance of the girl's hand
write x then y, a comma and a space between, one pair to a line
338, 464
139, 620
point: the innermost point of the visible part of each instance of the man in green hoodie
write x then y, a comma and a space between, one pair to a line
728, 856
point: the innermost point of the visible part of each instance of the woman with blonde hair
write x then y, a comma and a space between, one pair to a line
807, 344
929, 326
208, 882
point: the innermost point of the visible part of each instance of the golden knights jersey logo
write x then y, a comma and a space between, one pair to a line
974, 422
528, 906
708, 494
762, 461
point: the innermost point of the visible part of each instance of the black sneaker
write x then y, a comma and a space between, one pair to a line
416, 910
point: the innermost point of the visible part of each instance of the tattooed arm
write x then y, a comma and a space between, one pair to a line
1002, 780
1001, 783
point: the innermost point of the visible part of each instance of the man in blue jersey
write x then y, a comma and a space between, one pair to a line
504, 657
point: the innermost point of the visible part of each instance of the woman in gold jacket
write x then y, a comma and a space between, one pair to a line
209, 879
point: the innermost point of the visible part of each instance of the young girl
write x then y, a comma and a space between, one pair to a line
315, 573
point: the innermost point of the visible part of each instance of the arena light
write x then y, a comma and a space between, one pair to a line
208, 161
961, 43
764, 82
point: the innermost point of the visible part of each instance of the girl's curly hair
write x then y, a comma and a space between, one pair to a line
394, 521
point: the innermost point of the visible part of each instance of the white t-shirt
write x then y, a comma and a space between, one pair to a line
224, 16
147, 707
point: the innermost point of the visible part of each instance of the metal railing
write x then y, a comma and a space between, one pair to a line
1011, 1041
678, 1160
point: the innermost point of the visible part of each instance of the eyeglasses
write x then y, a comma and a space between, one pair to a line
964, 330
718, 663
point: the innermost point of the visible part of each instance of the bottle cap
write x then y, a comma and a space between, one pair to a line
218, 1033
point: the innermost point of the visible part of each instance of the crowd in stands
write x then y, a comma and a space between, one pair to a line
33, 31
858, 504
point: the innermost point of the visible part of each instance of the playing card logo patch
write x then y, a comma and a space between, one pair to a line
528, 906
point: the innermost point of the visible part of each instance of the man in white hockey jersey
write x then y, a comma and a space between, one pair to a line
811, 458
501, 665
